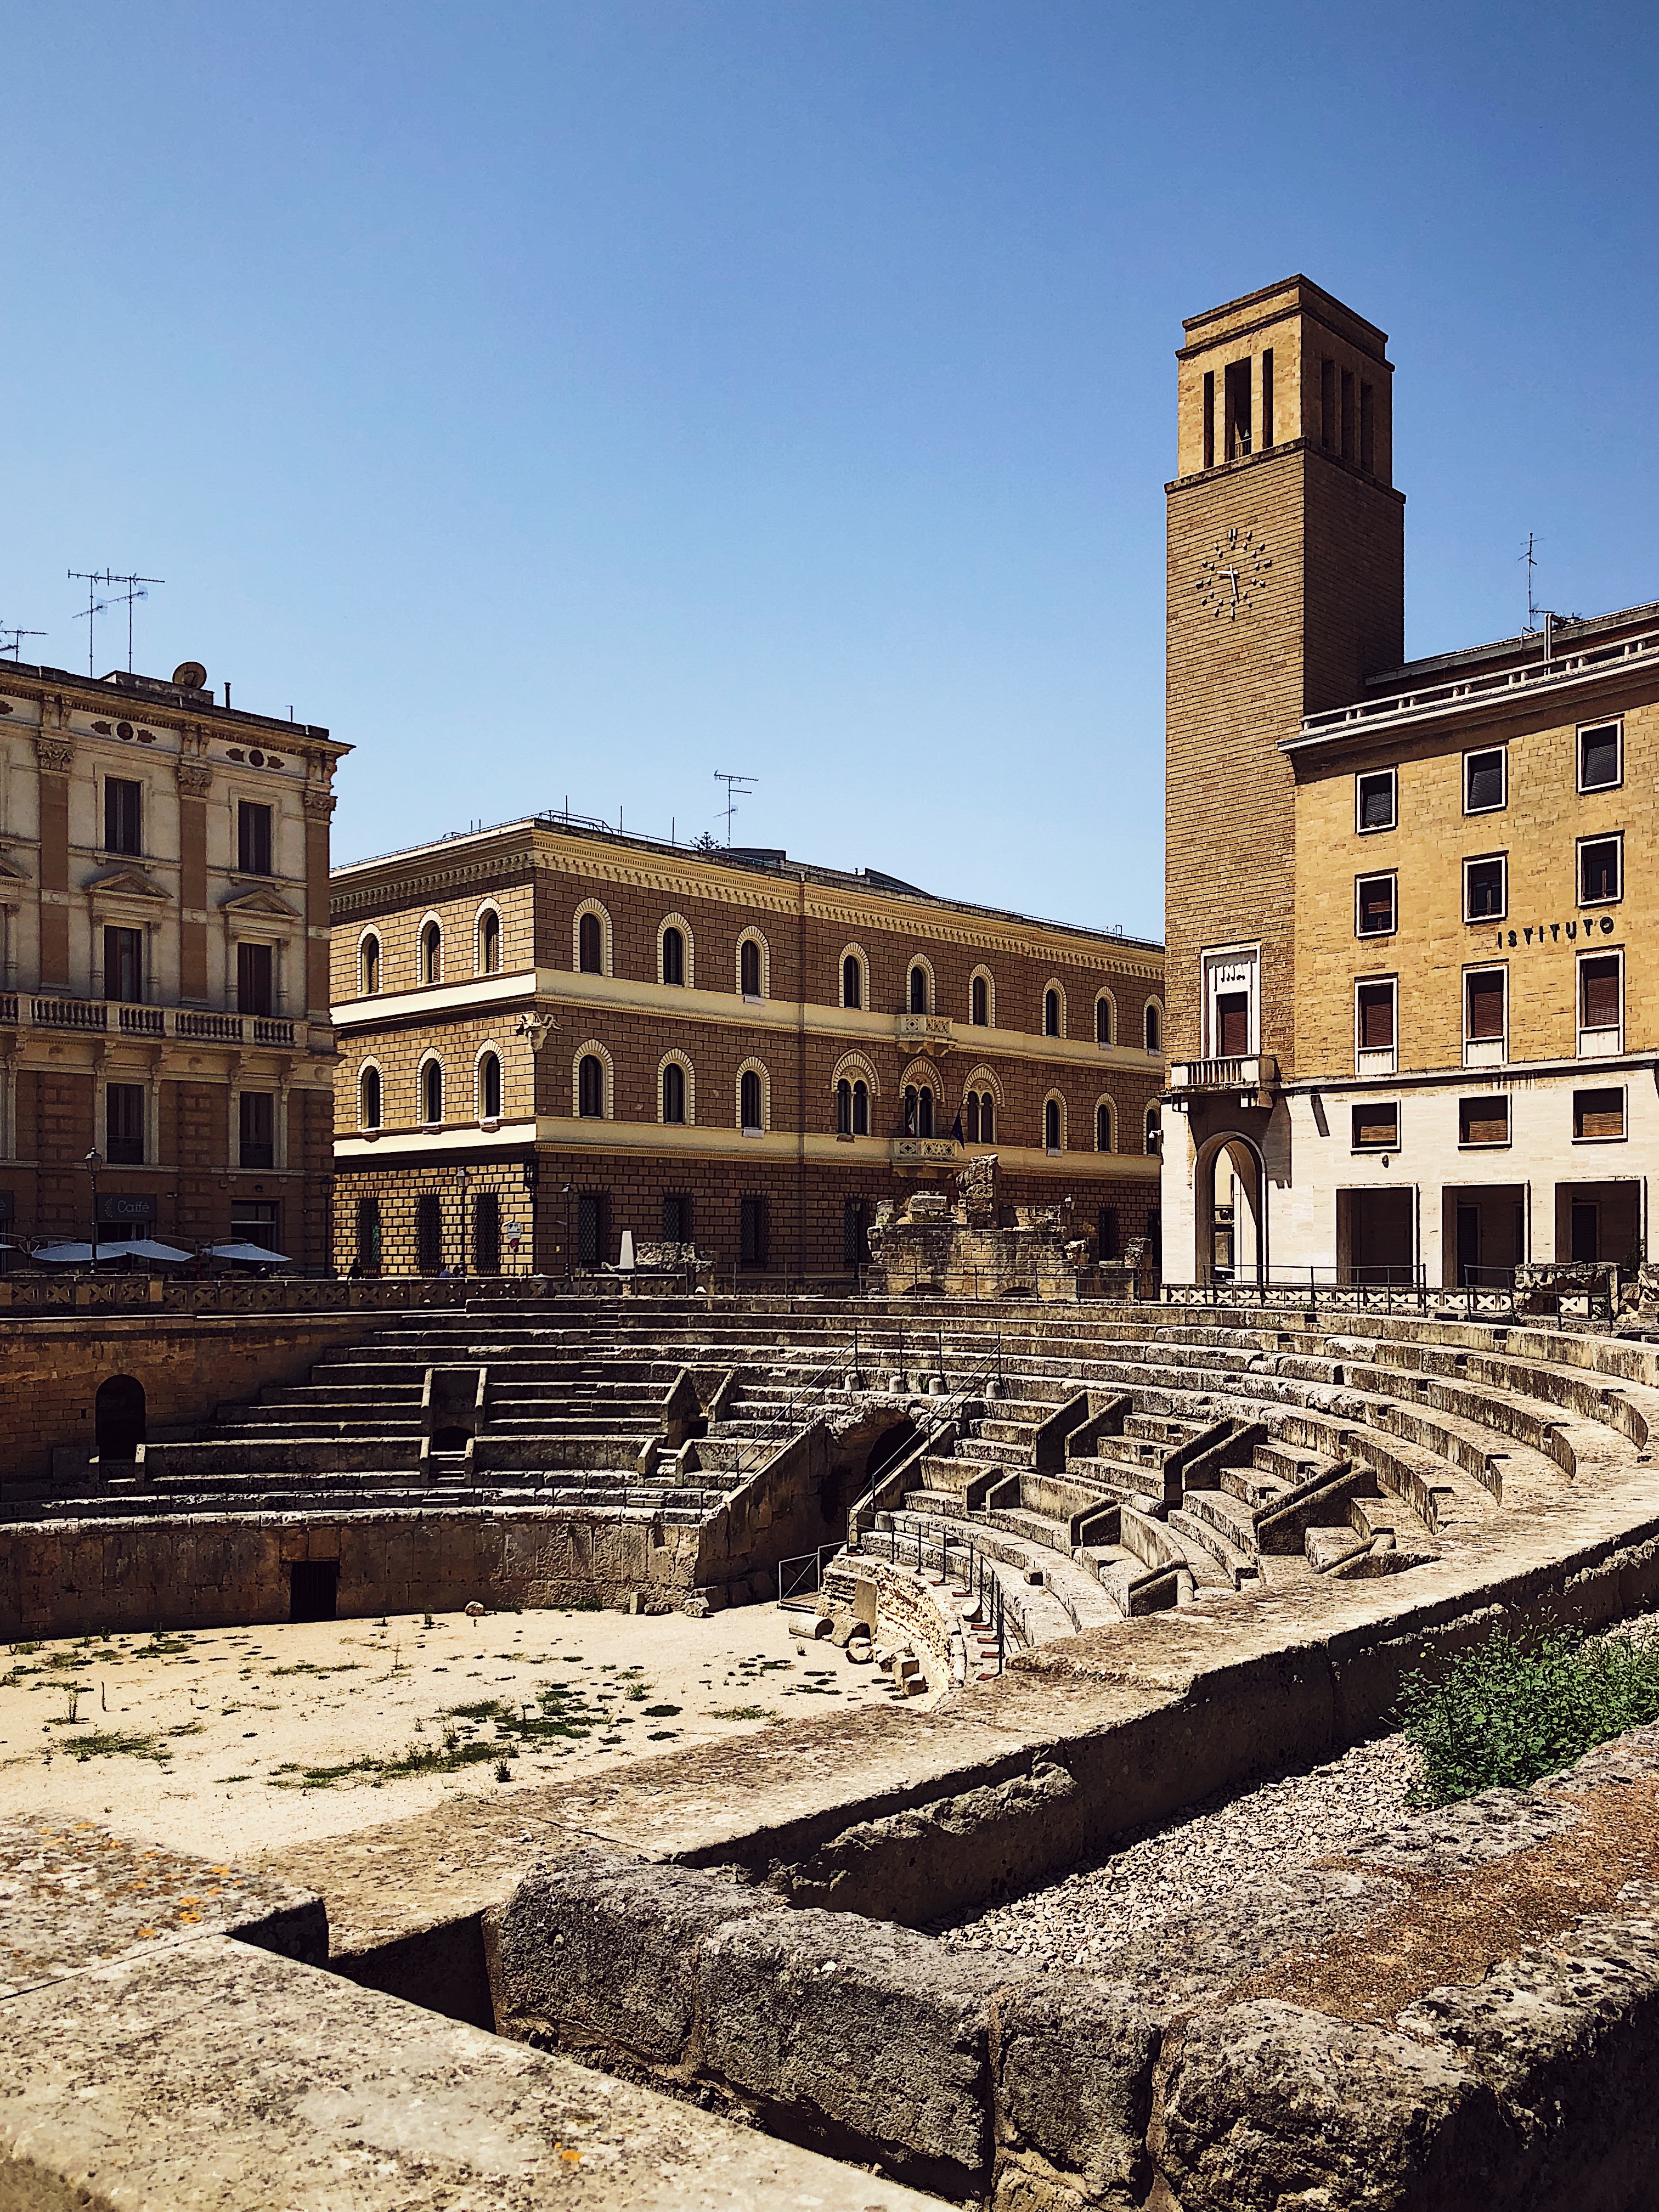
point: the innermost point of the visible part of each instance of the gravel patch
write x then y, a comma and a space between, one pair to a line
1194, 1864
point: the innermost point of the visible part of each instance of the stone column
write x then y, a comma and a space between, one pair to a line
195, 781
56, 756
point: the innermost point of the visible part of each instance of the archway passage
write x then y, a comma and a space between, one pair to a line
118, 1417
313, 1587
1230, 1222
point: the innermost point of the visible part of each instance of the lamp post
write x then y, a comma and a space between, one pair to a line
94, 1161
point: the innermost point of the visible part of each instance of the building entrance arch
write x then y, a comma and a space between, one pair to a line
118, 1417
1230, 1209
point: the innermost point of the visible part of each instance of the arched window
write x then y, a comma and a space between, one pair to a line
851, 982
432, 954
843, 1108
1051, 1013
918, 1110
1102, 1020
749, 1096
980, 1003
1153, 1132
1104, 1126
432, 1092
369, 1099
490, 942
590, 946
673, 957
1051, 1124
489, 1091
918, 989
673, 1093
369, 967
590, 1082
1154, 1027
368, 1235
860, 1109
749, 968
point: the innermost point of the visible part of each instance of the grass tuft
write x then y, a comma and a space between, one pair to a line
1514, 1710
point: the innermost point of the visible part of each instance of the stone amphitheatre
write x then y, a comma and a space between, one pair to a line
1109, 1561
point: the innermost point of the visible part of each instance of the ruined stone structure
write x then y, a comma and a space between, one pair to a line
164, 869
556, 1034
1410, 1020
969, 1245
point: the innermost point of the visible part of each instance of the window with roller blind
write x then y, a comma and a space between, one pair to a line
1598, 1116
1376, 1125
1376, 1039
1485, 781
1375, 800
1374, 906
1486, 1014
1601, 1002
1482, 1122
1601, 870
1601, 757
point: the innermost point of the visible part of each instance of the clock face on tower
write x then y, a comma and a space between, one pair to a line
1232, 577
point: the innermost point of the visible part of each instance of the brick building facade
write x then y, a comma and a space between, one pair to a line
1412, 1028
164, 909
553, 1034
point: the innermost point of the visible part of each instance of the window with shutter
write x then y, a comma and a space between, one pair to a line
1486, 889
1597, 1114
1600, 870
1598, 985
1374, 906
1483, 990
1377, 1018
1483, 1121
1600, 767
1376, 1127
1374, 800
1232, 1012
1486, 783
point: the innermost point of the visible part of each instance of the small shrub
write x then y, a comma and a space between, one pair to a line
1511, 1710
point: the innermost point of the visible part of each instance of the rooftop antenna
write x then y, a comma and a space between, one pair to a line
1533, 609
134, 590
737, 787
12, 639
93, 606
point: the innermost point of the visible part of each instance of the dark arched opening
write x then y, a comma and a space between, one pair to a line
118, 1415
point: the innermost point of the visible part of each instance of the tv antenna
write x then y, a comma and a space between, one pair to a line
135, 589
1533, 609
95, 606
11, 639
737, 787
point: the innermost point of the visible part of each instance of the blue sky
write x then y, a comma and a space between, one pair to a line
581, 399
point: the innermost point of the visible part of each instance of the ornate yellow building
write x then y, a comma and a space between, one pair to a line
1413, 1033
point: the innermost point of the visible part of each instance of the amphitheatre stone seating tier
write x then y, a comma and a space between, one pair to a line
1103, 1461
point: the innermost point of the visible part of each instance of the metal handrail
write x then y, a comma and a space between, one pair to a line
949, 1407
814, 1383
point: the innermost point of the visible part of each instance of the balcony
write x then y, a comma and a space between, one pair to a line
115, 1018
1252, 1079
926, 1031
925, 1152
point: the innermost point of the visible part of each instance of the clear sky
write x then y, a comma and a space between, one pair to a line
578, 399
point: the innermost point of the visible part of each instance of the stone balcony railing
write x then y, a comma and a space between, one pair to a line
925, 1029
926, 1150
1254, 1072
192, 1025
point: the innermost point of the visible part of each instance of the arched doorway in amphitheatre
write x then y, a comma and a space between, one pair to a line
1230, 1209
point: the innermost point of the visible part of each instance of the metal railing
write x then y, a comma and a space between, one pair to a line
949, 1409
1312, 1287
971, 1567
761, 1444
802, 1577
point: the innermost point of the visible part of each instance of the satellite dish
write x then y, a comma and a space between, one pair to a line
189, 676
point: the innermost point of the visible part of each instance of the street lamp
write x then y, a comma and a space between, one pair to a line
94, 1161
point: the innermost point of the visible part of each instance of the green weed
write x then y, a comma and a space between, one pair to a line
1515, 1709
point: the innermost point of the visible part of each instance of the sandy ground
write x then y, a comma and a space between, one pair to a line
236, 1740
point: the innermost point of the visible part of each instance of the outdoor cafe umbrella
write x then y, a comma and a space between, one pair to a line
253, 1255
70, 1254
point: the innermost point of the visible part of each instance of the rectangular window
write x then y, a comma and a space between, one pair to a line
258, 1221
1601, 757
1373, 1022
256, 1113
1236, 399
124, 818
1483, 1004
1106, 1217
1209, 418
254, 968
124, 1125
1597, 1116
1232, 1018
1368, 430
1485, 888
1601, 993
1327, 404
1376, 1127
1348, 439
124, 965
1483, 1121
252, 838
1601, 870
428, 1233
1374, 906
1374, 800
676, 1217
854, 1232
592, 1227
751, 1232
1485, 781
1266, 398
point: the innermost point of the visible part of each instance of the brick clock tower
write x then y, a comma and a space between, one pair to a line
1286, 549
